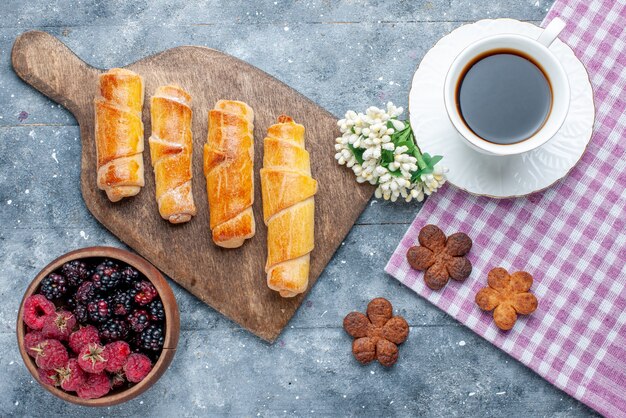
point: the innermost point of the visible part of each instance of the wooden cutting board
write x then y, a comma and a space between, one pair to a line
231, 281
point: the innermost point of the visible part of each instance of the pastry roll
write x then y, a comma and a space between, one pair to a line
171, 146
119, 133
228, 168
287, 189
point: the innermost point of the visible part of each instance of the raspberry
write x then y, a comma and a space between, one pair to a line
72, 376
99, 310
96, 386
85, 335
117, 380
129, 275
157, 313
146, 292
90, 358
32, 340
151, 338
58, 325
81, 313
51, 354
137, 367
122, 302
138, 320
36, 307
54, 286
49, 377
85, 293
116, 354
76, 272
113, 330
107, 276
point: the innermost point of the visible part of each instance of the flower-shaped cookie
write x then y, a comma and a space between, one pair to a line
508, 296
377, 334
441, 258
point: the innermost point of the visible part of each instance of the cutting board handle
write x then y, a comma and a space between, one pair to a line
48, 65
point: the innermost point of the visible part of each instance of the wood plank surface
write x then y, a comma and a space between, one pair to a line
231, 281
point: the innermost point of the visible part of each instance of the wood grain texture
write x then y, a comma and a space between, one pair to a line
231, 281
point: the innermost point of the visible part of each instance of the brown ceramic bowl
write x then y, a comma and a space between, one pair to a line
172, 324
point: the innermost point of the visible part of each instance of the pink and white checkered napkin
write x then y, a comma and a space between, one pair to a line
571, 237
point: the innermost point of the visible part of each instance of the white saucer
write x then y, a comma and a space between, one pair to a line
499, 177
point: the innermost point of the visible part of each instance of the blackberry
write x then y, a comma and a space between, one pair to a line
85, 293
81, 313
138, 320
54, 286
122, 302
113, 330
107, 276
151, 338
108, 266
157, 313
99, 310
76, 272
129, 275
70, 302
146, 292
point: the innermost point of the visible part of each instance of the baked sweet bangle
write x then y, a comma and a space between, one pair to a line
171, 145
287, 189
228, 168
119, 133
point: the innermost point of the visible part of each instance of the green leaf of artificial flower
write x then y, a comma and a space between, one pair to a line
357, 152
434, 160
416, 176
386, 157
401, 136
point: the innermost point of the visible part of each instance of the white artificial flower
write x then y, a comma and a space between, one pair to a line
435, 180
397, 124
371, 133
417, 193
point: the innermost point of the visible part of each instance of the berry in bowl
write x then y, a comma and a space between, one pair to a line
98, 326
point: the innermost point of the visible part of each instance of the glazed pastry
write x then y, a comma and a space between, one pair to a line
228, 168
119, 133
288, 207
170, 151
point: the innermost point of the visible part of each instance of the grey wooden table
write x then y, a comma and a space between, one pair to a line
346, 54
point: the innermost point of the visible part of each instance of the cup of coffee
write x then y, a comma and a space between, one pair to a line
508, 94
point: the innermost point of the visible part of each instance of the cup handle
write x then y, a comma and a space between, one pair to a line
551, 32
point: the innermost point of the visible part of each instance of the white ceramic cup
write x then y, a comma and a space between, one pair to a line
538, 50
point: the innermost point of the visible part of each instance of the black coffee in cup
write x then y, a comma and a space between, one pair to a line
503, 96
